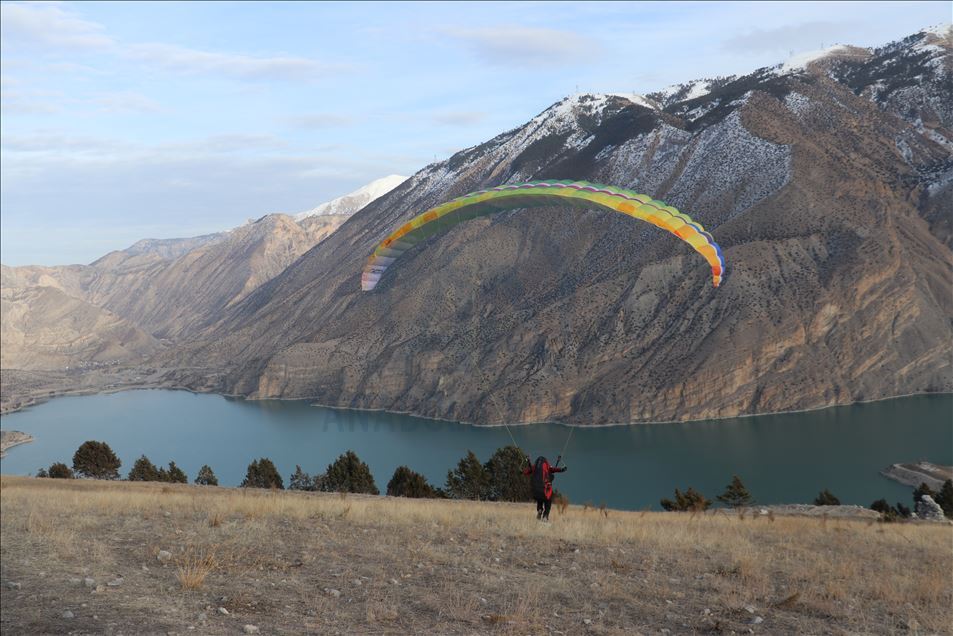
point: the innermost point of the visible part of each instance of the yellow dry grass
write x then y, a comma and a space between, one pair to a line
448, 566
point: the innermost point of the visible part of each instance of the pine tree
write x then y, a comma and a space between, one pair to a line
945, 498
262, 473
826, 498
736, 495
349, 474
96, 460
175, 475
143, 470
689, 501
60, 470
469, 480
206, 477
505, 478
887, 512
301, 480
407, 483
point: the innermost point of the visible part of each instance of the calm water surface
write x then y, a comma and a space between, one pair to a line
781, 458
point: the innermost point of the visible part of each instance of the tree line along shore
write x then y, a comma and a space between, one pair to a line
501, 478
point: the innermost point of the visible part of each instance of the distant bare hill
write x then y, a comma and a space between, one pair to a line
43, 327
159, 288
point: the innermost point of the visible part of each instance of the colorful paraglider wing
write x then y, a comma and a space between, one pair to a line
579, 194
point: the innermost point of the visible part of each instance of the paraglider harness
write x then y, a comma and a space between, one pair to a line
540, 477
541, 484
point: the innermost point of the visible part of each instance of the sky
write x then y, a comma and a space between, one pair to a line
122, 121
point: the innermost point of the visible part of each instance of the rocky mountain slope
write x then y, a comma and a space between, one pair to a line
827, 185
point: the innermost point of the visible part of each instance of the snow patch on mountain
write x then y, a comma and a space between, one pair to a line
635, 98
940, 30
645, 162
801, 60
353, 201
568, 110
683, 92
727, 160
797, 103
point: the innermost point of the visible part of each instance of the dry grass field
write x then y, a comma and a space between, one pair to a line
83, 557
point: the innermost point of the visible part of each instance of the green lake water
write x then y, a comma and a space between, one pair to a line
785, 458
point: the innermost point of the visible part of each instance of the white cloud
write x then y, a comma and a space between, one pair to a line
125, 102
60, 144
225, 144
50, 25
318, 120
60, 148
16, 98
811, 35
193, 62
459, 118
527, 46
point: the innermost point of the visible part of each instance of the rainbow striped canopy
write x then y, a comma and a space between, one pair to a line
580, 194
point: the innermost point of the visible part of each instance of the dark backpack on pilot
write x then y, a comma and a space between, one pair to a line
540, 475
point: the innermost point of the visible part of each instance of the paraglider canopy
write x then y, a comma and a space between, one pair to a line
580, 194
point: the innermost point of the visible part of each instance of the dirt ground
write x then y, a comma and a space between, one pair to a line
83, 557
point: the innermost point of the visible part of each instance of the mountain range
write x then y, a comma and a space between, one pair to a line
132, 303
826, 181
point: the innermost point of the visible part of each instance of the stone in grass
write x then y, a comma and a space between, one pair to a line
164, 556
222, 611
89, 582
250, 629
929, 509
332, 592
757, 620
115, 582
68, 614
13, 585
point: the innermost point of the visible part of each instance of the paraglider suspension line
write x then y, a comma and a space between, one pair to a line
499, 414
572, 429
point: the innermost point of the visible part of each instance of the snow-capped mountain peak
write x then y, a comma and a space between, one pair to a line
354, 201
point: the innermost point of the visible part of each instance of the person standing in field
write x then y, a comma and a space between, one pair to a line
541, 481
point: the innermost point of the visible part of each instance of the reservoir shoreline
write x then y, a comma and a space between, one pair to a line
35, 400
782, 458
9, 439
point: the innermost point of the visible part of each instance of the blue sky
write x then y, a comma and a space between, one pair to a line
123, 121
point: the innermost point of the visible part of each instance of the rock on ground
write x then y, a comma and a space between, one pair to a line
929, 509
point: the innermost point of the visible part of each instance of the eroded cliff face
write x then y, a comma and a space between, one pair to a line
838, 287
